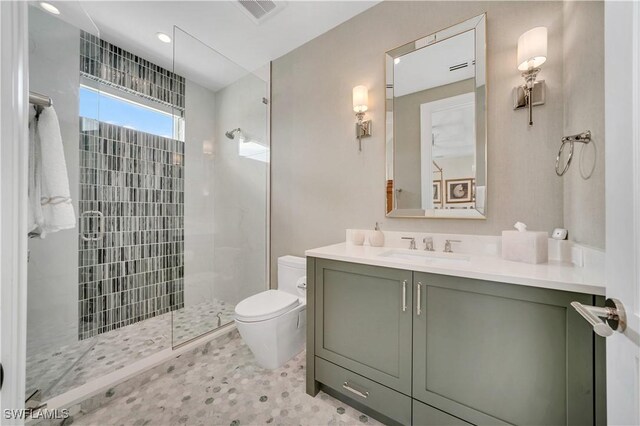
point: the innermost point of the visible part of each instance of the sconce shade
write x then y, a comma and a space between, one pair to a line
360, 99
532, 48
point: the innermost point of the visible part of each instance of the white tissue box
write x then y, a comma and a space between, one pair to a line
525, 246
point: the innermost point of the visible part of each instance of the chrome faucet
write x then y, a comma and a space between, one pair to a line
428, 243
447, 245
412, 243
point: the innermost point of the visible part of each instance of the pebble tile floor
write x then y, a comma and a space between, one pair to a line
55, 370
217, 384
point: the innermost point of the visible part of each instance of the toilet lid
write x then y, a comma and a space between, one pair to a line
265, 305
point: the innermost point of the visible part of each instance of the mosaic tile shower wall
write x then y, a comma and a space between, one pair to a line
134, 269
102, 61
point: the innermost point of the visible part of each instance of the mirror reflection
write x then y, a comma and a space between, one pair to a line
436, 124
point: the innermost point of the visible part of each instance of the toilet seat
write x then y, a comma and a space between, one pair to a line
265, 305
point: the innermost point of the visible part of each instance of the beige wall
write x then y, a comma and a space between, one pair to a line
584, 205
321, 184
406, 115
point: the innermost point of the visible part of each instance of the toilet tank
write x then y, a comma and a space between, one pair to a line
290, 270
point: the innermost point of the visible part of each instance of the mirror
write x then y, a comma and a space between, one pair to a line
436, 124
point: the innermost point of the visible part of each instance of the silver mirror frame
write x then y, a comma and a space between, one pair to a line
478, 24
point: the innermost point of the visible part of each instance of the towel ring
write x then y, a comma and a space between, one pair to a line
584, 137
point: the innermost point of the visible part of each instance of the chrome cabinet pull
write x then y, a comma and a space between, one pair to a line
348, 387
418, 303
404, 296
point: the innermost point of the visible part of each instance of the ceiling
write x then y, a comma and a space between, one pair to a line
409, 74
216, 41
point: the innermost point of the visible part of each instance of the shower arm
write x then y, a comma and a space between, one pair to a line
231, 134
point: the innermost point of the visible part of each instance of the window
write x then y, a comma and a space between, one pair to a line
112, 109
253, 150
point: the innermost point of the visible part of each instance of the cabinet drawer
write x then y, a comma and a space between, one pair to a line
426, 415
374, 395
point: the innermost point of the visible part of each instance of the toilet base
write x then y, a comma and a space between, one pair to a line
275, 341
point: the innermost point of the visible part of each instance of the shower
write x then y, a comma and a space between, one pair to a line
232, 133
143, 281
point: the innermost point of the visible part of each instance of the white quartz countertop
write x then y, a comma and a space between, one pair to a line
552, 275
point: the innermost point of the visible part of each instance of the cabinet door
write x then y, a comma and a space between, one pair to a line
493, 353
361, 321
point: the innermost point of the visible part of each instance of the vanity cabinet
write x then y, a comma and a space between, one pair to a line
363, 321
426, 415
429, 349
495, 353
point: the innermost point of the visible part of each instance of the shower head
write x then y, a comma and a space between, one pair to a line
232, 133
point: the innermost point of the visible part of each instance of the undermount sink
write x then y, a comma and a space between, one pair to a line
425, 256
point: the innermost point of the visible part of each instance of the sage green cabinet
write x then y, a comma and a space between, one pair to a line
426, 415
443, 350
494, 353
363, 320
394, 406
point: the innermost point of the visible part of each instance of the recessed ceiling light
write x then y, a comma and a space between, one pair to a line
49, 8
163, 37
396, 61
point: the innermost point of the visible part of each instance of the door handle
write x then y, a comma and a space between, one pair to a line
418, 297
94, 216
615, 317
404, 296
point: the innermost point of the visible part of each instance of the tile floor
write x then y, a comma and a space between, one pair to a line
217, 384
55, 370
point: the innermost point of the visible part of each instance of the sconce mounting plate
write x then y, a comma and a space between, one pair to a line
363, 129
539, 93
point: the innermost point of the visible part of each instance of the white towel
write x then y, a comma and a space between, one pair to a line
35, 210
49, 197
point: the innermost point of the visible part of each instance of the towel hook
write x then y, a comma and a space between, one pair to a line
584, 137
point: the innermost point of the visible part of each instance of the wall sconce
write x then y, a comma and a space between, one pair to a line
532, 53
360, 105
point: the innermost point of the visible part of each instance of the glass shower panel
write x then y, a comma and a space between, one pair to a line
132, 265
100, 295
168, 172
54, 350
226, 165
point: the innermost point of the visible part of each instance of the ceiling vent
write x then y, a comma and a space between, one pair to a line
459, 66
260, 10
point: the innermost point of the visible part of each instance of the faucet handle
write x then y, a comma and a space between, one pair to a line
447, 245
412, 242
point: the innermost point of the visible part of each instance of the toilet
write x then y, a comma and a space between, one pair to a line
272, 323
